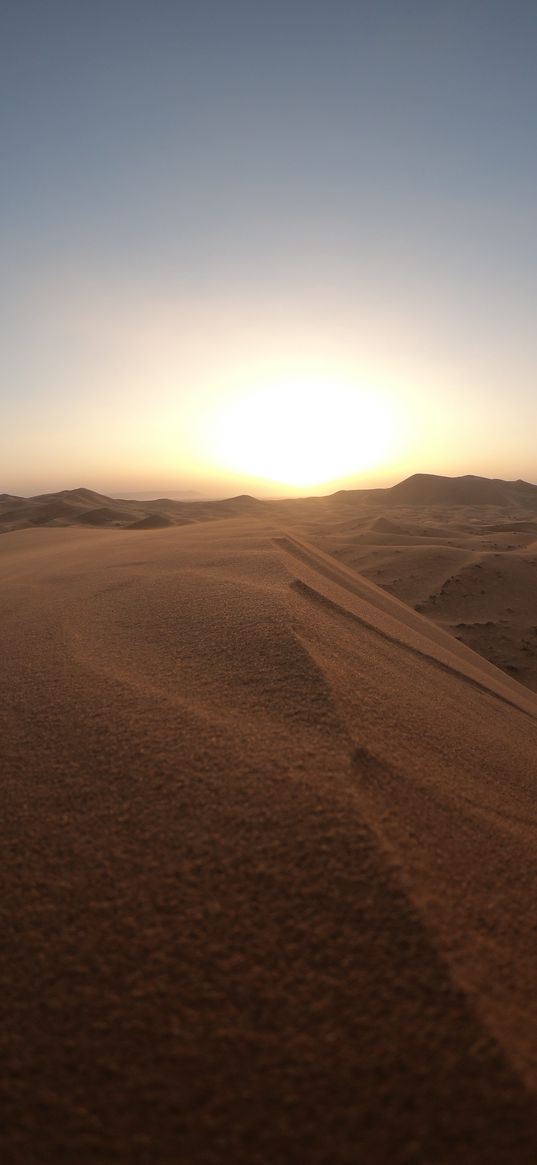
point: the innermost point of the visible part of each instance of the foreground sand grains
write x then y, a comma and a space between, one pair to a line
269, 862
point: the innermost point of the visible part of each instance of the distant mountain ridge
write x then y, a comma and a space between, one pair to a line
469, 490
430, 489
86, 507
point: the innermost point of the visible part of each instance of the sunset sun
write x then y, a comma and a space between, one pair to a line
303, 434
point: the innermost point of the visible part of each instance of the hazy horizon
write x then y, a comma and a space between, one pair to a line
271, 250
208, 494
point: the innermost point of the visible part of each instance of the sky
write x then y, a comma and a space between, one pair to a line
268, 247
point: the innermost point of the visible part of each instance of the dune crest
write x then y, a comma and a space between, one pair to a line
462, 551
69, 507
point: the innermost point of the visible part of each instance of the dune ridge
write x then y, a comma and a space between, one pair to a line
69, 507
270, 849
432, 541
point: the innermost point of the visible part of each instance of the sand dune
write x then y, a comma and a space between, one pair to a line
84, 507
426, 540
70, 507
471, 569
428, 489
154, 521
269, 859
104, 516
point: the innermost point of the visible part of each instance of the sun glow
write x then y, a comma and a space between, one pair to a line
304, 435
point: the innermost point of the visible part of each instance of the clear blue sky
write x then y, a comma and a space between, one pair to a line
203, 204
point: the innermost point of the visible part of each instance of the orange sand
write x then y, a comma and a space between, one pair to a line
269, 861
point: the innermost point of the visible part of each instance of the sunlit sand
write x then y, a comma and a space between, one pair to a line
269, 829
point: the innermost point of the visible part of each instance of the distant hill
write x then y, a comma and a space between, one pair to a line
106, 515
430, 489
81, 495
85, 507
152, 522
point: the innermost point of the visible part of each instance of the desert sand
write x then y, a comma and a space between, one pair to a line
462, 551
269, 833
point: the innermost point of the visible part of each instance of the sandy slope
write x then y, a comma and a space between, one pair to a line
471, 569
269, 862
433, 541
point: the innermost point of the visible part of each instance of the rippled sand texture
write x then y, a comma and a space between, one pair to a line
269, 865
